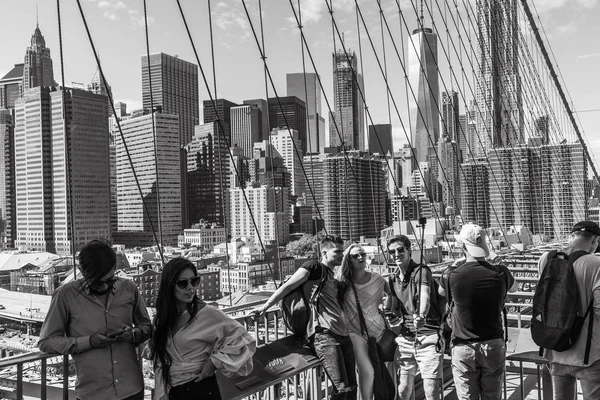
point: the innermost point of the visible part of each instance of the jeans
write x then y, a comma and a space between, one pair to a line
206, 389
337, 357
564, 381
478, 369
137, 396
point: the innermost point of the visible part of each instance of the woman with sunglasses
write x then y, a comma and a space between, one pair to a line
370, 289
192, 340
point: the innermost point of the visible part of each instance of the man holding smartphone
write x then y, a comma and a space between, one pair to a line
100, 320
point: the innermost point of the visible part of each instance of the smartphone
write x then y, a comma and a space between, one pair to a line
114, 334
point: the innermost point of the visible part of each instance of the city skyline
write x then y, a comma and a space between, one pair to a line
574, 51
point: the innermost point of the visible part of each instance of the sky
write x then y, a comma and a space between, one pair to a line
117, 29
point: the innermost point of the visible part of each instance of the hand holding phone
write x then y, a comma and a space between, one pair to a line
114, 334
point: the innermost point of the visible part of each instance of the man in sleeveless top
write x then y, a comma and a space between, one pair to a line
420, 345
327, 329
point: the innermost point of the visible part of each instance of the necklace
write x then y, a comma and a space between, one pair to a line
180, 313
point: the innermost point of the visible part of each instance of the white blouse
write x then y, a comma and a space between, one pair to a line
210, 335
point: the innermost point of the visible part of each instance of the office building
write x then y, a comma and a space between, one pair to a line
289, 112
380, 139
450, 116
204, 236
449, 175
219, 111
306, 87
37, 67
268, 206
245, 127
207, 176
7, 180
264, 124
354, 195
174, 90
158, 171
475, 192
499, 88
11, 87
53, 183
267, 167
287, 143
347, 123
423, 103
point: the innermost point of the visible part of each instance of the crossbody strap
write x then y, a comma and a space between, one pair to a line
361, 317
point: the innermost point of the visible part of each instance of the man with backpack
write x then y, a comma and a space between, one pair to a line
413, 300
326, 328
476, 292
566, 309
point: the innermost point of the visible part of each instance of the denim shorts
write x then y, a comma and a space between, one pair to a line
423, 356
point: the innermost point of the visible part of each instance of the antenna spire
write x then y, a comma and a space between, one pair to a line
422, 17
37, 17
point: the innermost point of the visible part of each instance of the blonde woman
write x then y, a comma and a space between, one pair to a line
370, 289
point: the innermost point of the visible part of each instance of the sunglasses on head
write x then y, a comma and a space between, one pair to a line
183, 283
355, 256
398, 250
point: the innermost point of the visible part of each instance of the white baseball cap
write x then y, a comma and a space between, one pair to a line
473, 237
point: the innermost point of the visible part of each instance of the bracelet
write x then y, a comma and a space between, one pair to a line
133, 335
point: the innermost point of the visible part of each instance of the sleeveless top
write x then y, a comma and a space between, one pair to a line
370, 295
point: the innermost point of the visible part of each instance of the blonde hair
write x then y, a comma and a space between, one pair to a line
344, 274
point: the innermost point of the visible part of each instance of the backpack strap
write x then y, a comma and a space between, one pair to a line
588, 343
314, 299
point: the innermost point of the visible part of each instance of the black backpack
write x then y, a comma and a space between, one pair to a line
556, 319
295, 306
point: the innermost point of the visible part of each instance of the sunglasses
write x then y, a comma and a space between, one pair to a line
399, 250
355, 256
183, 283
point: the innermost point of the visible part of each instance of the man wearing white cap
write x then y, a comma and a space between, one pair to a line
477, 294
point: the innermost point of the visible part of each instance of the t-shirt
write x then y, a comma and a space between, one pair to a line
407, 294
478, 290
587, 273
329, 313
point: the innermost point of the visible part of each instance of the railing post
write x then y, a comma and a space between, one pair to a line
66, 377
19, 381
43, 389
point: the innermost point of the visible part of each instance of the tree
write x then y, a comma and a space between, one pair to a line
305, 247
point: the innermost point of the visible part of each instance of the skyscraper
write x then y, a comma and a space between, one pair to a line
499, 96
284, 144
348, 117
449, 179
354, 195
289, 112
7, 180
33, 172
37, 68
61, 167
380, 139
423, 78
207, 176
306, 87
220, 110
134, 225
268, 205
174, 90
80, 169
11, 87
475, 192
245, 127
450, 115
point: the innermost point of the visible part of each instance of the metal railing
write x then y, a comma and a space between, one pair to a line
38, 366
